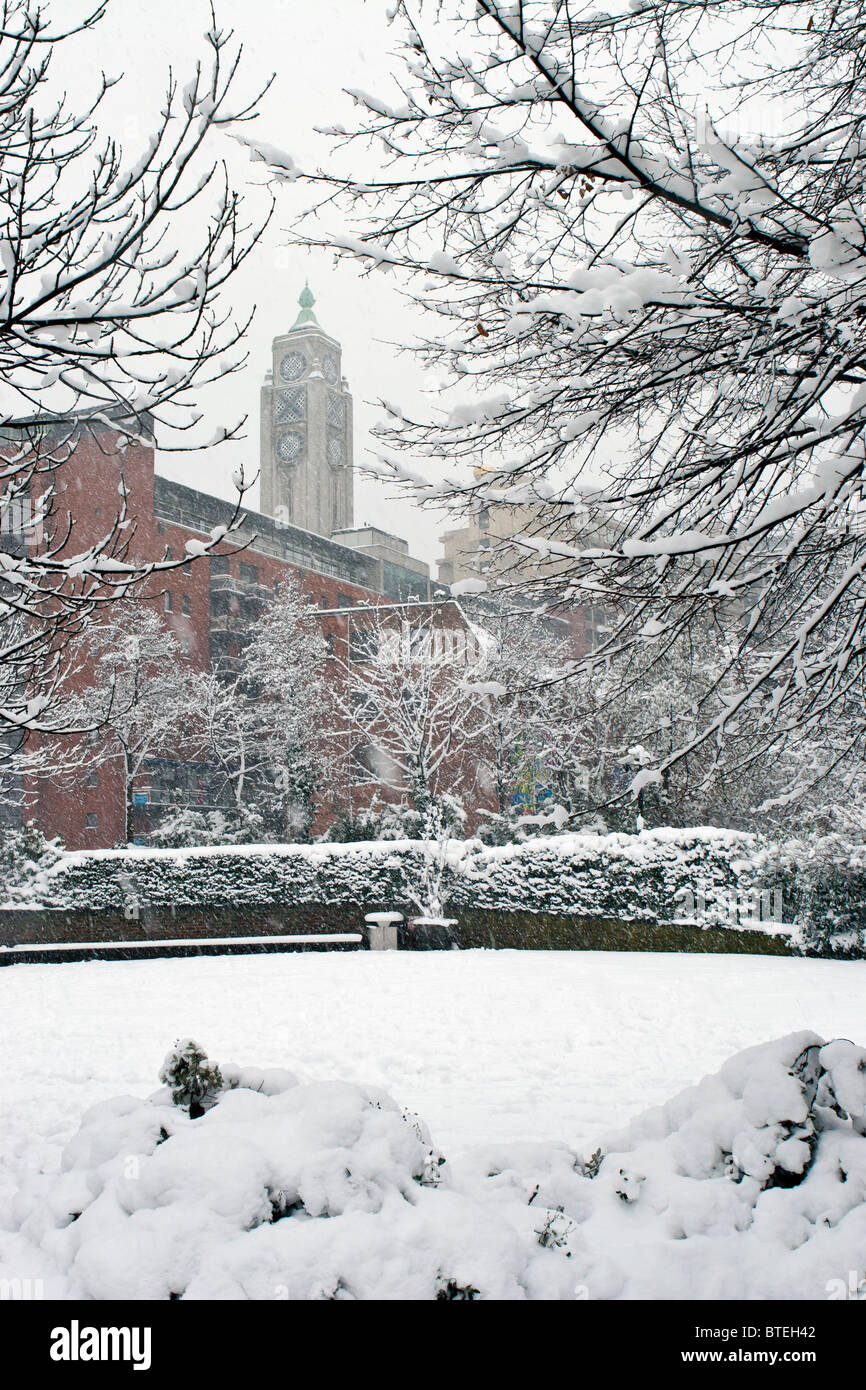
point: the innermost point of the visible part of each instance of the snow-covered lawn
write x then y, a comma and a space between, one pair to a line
488, 1047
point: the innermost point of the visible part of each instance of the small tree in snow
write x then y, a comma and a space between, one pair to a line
528, 746
195, 1082
25, 854
409, 711
226, 728
138, 703
441, 825
269, 730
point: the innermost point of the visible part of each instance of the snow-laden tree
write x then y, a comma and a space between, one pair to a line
138, 701
272, 726
410, 706
259, 725
225, 728
643, 231
25, 855
112, 318
188, 825
258, 728
629, 713
529, 738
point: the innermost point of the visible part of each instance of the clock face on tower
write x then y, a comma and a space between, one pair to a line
293, 366
329, 368
289, 446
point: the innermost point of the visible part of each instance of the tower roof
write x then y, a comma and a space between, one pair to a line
306, 299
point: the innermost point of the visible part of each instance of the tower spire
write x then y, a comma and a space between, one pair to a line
306, 299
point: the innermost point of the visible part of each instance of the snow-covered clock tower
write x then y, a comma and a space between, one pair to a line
306, 430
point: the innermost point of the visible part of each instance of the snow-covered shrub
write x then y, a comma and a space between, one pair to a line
194, 1081
186, 827
388, 820
751, 1184
381, 820
277, 1191
25, 857
824, 881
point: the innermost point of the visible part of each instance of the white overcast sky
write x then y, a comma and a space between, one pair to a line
315, 50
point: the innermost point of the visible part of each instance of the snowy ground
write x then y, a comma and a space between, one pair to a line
488, 1047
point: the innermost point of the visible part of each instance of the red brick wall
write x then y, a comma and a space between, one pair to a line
87, 502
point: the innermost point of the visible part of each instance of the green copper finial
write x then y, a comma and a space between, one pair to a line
306, 299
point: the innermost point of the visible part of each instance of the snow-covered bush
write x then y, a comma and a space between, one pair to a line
186, 827
25, 857
381, 820
751, 1184
824, 880
195, 1082
386, 820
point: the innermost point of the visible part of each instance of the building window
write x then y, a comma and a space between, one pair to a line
91, 821
364, 760
168, 553
249, 573
344, 601
93, 779
167, 600
335, 410
185, 604
219, 564
185, 646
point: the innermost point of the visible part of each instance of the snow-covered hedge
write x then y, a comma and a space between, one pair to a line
592, 875
705, 875
751, 1184
659, 875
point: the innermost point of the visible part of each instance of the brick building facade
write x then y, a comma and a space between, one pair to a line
212, 602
